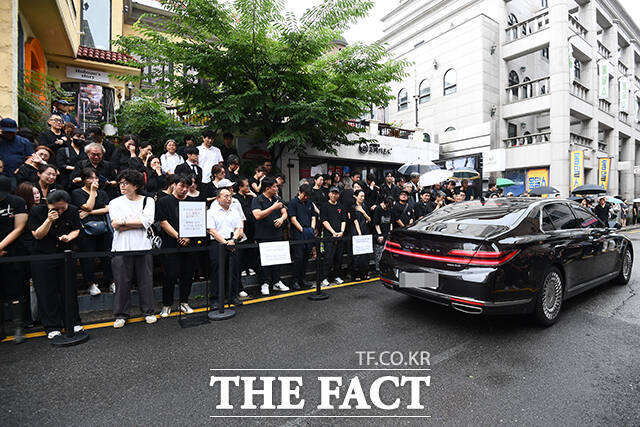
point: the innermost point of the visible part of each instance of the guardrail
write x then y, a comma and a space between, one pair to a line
526, 90
604, 106
577, 27
579, 90
602, 50
534, 138
532, 25
574, 138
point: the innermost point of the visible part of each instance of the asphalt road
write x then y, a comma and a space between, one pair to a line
484, 370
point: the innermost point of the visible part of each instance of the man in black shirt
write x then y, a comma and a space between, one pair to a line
319, 194
601, 210
227, 148
53, 138
270, 215
401, 214
54, 227
179, 265
425, 206
103, 168
96, 134
371, 192
469, 192
389, 189
449, 192
493, 190
247, 257
382, 225
189, 141
303, 224
334, 221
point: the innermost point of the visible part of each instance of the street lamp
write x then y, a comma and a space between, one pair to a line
417, 98
130, 87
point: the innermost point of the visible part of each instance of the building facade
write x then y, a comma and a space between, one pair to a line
523, 84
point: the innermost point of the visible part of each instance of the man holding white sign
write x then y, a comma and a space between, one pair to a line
225, 228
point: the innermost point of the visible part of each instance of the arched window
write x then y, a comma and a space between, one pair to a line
577, 67
403, 100
514, 80
526, 92
425, 91
450, 81
426, 137
513, 20
449, 129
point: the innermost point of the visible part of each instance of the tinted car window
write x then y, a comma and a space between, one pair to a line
561, 216
586, 218
547, 224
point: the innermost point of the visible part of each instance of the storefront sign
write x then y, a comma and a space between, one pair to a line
373, 148
537, 178
603, 80
192, 217
494, 160
577, 169
604, 167
86, 74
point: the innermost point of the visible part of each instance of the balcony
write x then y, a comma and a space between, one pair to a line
623, 68
525, 28
602, 146
579, 90
574, 138
385, 129
602, 50
523, 140
623, 117
526, 90
577, 27
604, 105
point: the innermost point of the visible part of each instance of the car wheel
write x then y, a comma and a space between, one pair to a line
625, 268
550, 296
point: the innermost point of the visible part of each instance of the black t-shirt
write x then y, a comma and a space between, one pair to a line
167, 209
79, 197
422, 209
448, 194
382, 217
265, 228
365, 226
335, 215
65, 224
9, 208
602, 212
48, 139
401, 212
27, 173
319, 196
253, 181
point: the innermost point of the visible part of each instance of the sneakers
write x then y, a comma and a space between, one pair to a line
280, 287
78, 328
243, 294
325, 282
244, 273
264, 289
338, 281
251, 272
51, 335
166, 310
119, 323
94, 290
112, 288
184, 307
151, 319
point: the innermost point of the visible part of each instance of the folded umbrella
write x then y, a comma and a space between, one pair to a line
539, 191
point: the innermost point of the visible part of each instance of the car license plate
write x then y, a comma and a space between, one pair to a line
419, 280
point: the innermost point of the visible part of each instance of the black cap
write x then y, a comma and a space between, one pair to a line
63, 102
5, 186
404, 191
8, 125
334, 190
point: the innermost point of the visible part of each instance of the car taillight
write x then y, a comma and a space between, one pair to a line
485, 258
390, 244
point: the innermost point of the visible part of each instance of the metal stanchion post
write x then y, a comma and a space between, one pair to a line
70, 337
221, 313
318, 294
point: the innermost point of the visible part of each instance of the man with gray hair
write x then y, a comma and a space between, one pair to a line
104, 170
415, 186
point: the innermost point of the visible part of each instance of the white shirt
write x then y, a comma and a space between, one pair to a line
235, 205
223, 222
123, 209
207, 158
170, 161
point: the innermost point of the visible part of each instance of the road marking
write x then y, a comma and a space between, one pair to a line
204, 309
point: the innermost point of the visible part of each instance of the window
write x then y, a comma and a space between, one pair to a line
450, 81
577, 66
545, 52
586, 218
426, 138
512, 130
425, 91
403, 100
96, 24
561, 216
547, 224
450, 129
514, 80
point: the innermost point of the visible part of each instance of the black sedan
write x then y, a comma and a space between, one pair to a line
505, 256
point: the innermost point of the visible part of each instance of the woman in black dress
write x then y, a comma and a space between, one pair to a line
360, 226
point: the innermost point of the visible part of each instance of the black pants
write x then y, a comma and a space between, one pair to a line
332, 258
178, 266
99, 243
14, 282
269, 274
300, 254
48, 279
229, 263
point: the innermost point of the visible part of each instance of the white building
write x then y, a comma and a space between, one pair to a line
495, 79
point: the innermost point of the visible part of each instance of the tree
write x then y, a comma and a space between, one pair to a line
249, 66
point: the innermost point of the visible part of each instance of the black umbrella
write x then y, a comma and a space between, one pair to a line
589, 189
539, 191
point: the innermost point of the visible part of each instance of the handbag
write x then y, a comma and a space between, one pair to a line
156, 240
95, 228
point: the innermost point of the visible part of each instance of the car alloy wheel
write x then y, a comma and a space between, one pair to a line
552, 295
627, 263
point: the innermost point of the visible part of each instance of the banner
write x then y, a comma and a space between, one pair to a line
604, 166
577, 169
603, 80
572, 65
537, 178
623, 100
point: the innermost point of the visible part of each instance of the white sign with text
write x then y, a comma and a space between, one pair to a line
86, 74
192, 217
362, 244
274, 253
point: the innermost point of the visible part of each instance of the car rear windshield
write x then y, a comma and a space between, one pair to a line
475, 218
